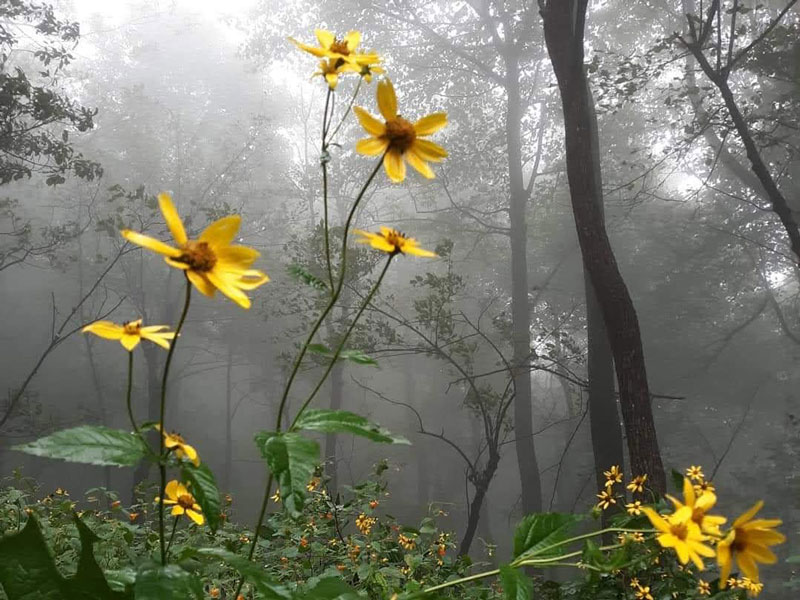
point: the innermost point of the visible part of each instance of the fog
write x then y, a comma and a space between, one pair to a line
483, 353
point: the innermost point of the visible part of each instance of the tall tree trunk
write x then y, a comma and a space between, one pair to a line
564, 23
520, 308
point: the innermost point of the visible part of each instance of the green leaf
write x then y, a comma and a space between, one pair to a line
255, 574
120, 579
301, 274
28, 571
537, 532
677, 480
342, 421
329, 588
204, 489
91, 444
356, 356
516, 585
170, 582
292, 460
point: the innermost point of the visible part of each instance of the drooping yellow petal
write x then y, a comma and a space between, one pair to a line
222, 231
371, 146
320, 52
332, 79
154, 328
171, 217
195, 516
150, 243
325, 38
105, 329
158, 338
173, 489
251, 279
429, 150
177, 510
230, 290
353, 39
762, 554
370, 124
238, 256
387, 100
415, 250
176, 263
688, 492
201, 282
430, 124
749, 514
747, 565
130, 341
394, 165
419, 165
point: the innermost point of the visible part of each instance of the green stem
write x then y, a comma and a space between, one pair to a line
466, 579
339, 349
304, 348
346, 112
162, 466
172, 535
128, 395
324, 159
585, 536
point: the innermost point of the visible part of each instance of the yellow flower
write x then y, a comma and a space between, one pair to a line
276, 497
365, 523
700, 505
637, 537
637, 484
613, 475
393, 242
634, 508
606, 499
338, 49
749, 540
210, 262
406, 542
183, 502
680, 533
643, 593
634, 582
695, 473
703, 588
399, 138
130, 333
703, 486
173, 441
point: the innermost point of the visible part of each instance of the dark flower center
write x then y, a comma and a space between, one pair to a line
198, 255
400, 133
132, 328
340, 47
186, 500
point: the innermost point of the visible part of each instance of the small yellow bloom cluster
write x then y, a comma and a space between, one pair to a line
365, 523
339, 56
406, 542
642, 592
690, 531
745, 583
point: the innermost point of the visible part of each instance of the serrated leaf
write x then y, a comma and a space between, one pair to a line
28, 570
170, 582
302, 274
89, 444
204, 489
292, 460
516, 585
342, 421
539, 531
253, 572
356, 356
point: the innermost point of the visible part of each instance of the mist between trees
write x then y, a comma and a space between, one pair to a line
535, 240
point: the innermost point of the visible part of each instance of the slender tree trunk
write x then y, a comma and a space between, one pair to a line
564, 23
481, 483
520, 308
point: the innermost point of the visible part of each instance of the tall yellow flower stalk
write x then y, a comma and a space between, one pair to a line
400, 139
210, 262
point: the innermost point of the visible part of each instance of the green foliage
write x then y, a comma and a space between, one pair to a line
516, 585
170, 582
302, 274
268, 589
27, 569
536, 534
292, 459
342, 421
204, 489
90, 444
356, 356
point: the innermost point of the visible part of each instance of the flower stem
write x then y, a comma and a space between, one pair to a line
339, 349
172, 535
304, 348
346, 112
128, 396
162, 466
324, 159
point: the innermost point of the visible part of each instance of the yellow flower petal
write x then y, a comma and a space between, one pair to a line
230, 290
171, 217
105, 329
251, 279
321, 52
158, 338
177, 510
222, 231
150, 243
387, 100
173, 489
431, 123
177, 264
394, 165
325, 38
332, 79
429, 150
419, 165
371, 146
353, 39
201, 282
129, 341
237, 256
195, 516
370, 124
415, 250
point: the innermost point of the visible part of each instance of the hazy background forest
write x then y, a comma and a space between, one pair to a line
211, 102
